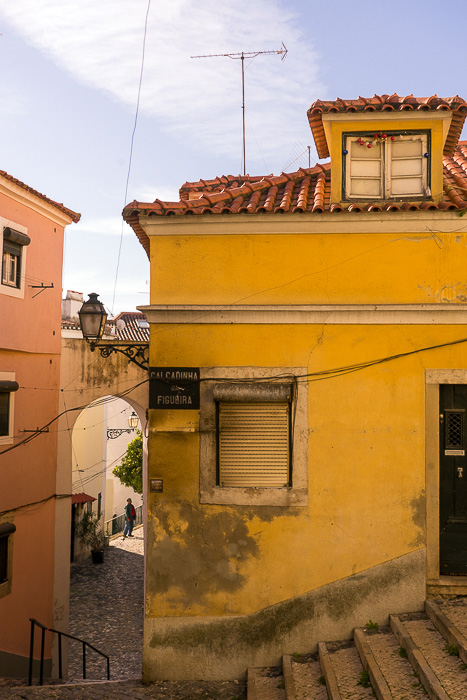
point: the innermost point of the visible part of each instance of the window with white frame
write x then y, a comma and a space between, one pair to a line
253, 437
12, 257
7, 388
386, 165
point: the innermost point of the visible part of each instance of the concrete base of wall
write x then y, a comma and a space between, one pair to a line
222, 648
15, 666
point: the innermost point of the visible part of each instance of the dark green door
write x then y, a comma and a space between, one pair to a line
453, 480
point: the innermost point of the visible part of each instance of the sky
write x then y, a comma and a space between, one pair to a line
85, 125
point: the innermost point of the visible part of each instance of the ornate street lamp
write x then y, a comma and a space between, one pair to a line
113, 433
92, 319
133, 420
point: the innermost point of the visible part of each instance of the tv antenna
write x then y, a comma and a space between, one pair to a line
241, 55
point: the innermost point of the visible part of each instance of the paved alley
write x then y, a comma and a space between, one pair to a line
107, 609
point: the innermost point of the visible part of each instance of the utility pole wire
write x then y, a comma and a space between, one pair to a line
241, 55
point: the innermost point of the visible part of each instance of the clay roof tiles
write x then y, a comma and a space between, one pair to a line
135, 328
81, 498
307, 190
72, 214
384, 103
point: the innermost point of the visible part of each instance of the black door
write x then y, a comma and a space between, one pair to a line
453, 480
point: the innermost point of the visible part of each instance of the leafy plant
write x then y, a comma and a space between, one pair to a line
130, 470
89, 531
364, 679
451, 649
322, 680
370, 625
403, 652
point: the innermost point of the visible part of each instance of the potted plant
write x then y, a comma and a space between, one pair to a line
90, 534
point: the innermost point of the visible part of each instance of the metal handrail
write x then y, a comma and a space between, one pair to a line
60, 635
117, 523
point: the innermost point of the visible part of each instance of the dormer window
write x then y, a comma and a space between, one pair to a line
386, 165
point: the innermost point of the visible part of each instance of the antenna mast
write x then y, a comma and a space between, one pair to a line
241, 55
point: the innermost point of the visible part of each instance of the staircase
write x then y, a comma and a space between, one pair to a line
418, 655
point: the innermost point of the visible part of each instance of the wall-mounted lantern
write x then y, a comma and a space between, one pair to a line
113, 433
92, 319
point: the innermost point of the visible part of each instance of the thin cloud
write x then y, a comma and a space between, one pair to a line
196, 100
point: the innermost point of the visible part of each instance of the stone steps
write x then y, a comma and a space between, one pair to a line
418, 655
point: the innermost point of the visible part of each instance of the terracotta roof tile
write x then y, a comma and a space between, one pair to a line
72, 214
307, 190
383, 103
136, 327
81, 498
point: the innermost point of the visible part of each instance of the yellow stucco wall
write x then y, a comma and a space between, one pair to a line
333, 267
366, 429
366, 473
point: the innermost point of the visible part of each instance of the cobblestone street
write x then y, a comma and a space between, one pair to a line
106, 609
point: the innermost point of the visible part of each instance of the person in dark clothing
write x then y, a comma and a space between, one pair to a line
130, 516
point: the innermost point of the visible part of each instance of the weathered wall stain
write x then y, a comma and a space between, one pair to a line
418, 507
335, 601
199, 551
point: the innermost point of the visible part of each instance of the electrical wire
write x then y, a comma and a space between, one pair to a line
39, 431
58, 496
131, 147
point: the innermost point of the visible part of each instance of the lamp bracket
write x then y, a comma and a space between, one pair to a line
113, 433
138, 353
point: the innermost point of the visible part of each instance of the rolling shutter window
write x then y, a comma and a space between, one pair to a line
13, 244
254, 444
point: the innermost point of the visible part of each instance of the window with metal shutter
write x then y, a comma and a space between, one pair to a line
253, 443
11, 264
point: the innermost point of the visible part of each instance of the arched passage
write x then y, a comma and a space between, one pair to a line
85, 378
100, 437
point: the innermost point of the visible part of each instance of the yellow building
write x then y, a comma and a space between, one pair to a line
308, 390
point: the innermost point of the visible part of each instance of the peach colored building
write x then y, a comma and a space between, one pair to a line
35, 505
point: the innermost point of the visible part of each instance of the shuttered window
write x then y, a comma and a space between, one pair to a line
7, 386
253, 444
12, 254
6, 529
393, 168
4, 413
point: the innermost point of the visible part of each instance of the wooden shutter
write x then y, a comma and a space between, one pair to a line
254, 444
407, 166
364, 170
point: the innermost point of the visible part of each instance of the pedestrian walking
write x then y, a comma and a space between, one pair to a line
130, 516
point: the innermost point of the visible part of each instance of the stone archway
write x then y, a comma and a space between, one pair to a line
85, 376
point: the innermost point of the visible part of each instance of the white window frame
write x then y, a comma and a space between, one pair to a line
386, 161
8, 289
214, 382
8, 439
